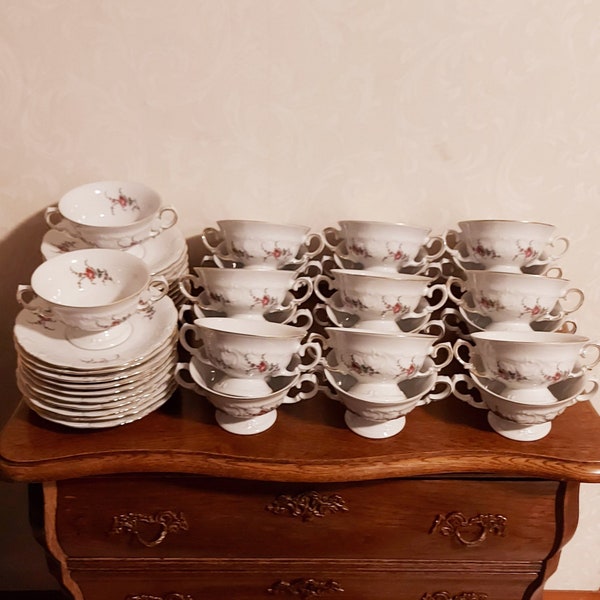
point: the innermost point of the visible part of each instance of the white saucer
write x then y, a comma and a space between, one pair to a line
150, 330
153, 403
103, 407
92, 374
159, 252
83, 379
51, 391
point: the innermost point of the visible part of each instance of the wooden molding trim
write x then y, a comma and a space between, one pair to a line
548, 595
571, 595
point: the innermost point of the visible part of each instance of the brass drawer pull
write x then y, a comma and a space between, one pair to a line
168, 522
305, 588
449, 596
469, 531
171, 596
307, 505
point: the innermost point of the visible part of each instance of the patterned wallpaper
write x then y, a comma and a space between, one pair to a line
309, 111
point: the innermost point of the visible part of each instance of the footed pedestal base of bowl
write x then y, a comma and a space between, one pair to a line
377, 390
383, 325
518, 431
247, 426
509, 326
252, 387
99, 340
375, 430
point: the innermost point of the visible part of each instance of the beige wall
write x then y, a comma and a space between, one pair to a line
422, 111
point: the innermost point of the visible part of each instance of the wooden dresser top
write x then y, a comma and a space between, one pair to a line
308, 442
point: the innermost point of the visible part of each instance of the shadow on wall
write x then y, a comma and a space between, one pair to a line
19, 255
22, 562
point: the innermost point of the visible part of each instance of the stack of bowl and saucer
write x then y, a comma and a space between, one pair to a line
377, 297
524, 361
380, 376
243, 324
96, 340
122, 215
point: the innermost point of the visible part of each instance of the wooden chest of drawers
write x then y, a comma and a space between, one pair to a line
173, 508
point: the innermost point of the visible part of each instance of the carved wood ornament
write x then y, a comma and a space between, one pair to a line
172, 596
469, 531
305, 588
307, 505
461, 596
167, 521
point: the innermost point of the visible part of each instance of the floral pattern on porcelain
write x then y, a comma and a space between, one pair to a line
45, 321
111, 321
488, 303
397, 255
536, 311
359, 250
528, 374
66, 246
376, 367
528, 252
277, 252
361, 367
397, 308
122, 201
264, 301
249, 364
219, 298
91, 275
484, 251
354, 302
265, 252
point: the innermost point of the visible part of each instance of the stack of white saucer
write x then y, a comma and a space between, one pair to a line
96, 340
97, 388
76, 223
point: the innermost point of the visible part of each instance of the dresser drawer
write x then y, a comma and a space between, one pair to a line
175, 516
304, 583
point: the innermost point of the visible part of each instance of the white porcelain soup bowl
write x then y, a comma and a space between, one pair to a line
331, 313
522, 421
380, 245
413, 393
376, 297
93, 292
514, 300
506, 245
464, 322
244, 293
379, 361
287, 315
111, 214
261, 244
249, 351
384, 417
527, 363
244, 415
